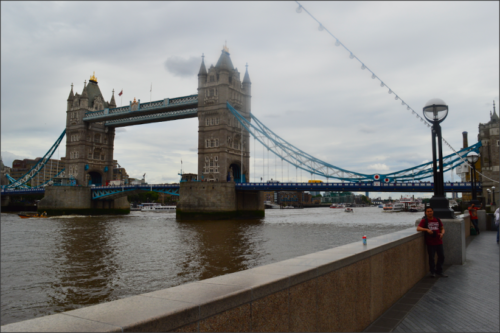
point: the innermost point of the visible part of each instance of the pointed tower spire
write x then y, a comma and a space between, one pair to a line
494, 116
246, 78
224, 62
203, 69
112, 103
84, 92
71, 95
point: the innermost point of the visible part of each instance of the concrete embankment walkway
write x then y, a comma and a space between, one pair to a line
466, 301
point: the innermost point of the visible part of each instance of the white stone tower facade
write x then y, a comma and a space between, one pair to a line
223, 145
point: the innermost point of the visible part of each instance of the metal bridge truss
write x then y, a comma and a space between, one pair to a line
301, 160
108, 192
150, 112
22, 182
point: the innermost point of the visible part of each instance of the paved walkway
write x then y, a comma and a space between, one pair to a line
466, 301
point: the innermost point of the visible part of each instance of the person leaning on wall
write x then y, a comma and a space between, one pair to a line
433, 233
473, 216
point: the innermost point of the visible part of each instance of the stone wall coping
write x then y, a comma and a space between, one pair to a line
178, 306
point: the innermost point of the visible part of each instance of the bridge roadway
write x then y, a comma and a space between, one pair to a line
113, 192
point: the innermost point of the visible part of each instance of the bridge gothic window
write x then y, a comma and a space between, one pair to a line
90, 154
97, 138
212, 78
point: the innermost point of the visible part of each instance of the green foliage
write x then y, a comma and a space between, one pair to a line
317, 196
142, 197
366, 200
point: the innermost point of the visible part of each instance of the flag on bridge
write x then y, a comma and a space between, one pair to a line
121, 92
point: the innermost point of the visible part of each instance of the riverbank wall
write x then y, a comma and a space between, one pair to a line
340, 289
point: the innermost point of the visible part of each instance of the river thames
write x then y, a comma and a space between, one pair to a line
64, 263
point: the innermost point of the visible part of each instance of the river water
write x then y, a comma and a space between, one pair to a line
59, 264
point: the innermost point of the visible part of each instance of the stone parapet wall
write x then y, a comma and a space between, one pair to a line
339, 289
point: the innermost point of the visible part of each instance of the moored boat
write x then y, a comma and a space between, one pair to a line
157, 208
28, 215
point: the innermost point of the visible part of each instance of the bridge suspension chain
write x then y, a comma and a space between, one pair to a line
21, 182
312, 165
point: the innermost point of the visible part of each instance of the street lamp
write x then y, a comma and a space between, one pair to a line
489, 193
493, 191
435, 111
473, 157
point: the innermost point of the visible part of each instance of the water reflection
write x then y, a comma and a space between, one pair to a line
219, 247
83, 263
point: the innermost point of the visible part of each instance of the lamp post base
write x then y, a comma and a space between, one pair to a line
441, 207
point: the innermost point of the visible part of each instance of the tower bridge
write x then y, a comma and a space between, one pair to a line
225, 123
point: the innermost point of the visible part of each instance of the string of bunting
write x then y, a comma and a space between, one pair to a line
321, 27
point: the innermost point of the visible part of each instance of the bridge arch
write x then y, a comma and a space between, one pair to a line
94, 177
235, 167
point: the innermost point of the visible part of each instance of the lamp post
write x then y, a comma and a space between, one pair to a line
435, 111
473, 157
489, 193
493, 191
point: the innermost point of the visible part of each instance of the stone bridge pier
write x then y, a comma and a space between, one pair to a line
218, 201
69, 200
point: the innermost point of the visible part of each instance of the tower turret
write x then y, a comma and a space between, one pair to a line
247, 90
84, 99
494, 116
112, 103
202, 76
71, 97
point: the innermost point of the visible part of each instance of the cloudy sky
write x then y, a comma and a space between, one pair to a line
304, 88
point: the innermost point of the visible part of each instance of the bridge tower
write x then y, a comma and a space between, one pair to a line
89, 146
223, 145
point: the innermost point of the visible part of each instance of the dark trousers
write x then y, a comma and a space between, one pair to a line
476, 225
432, 250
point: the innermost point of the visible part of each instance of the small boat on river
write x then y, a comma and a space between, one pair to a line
349, 210
28, 215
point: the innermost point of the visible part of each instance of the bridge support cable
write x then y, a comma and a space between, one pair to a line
39, 166
59, 173
310, 164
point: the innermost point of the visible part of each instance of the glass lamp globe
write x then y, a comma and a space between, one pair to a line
472, 157
435, 110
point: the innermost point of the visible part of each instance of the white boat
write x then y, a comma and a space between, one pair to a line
270, 205
349, 210
157, 208
398, 207
335, 206
387, 207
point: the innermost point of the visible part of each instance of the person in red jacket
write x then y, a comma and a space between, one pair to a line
473, 216
434, 231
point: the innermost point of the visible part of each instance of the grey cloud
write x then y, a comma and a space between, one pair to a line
8, 158
183, 67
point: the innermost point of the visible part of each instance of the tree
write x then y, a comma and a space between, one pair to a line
141, 197
366, 200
